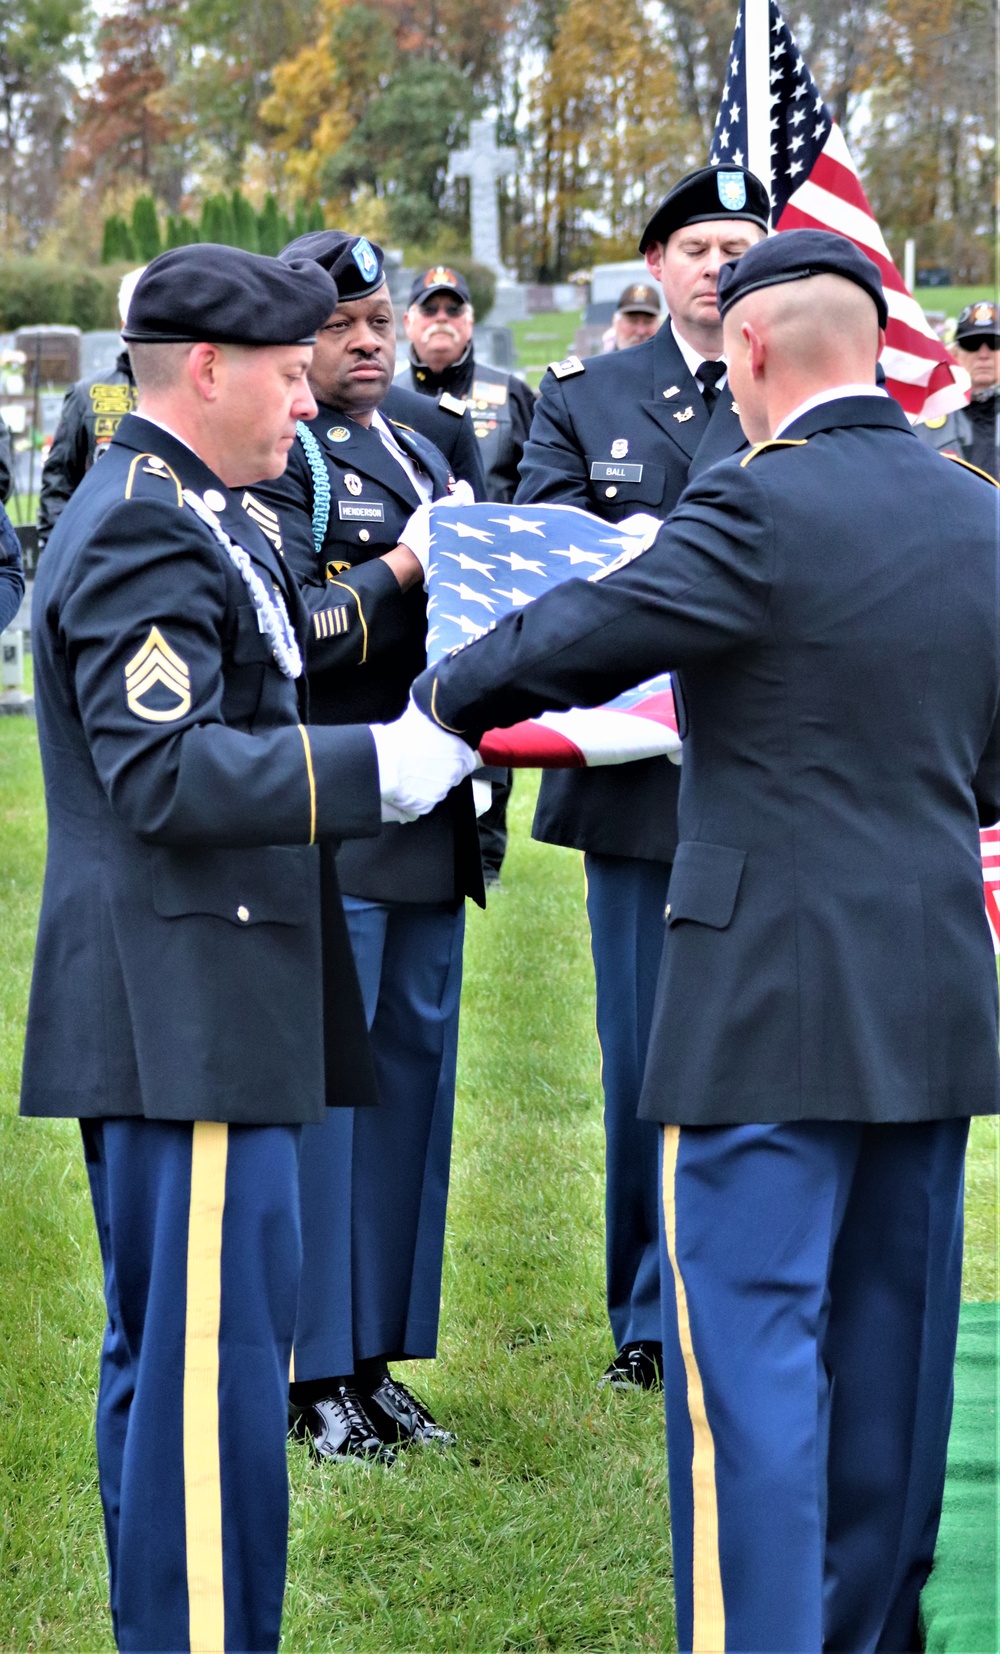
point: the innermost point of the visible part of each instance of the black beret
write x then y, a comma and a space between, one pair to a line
440, 278
354, 262
227, 297
980, 322
709, 193
793, 255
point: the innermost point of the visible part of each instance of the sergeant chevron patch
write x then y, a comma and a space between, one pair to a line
266, 519
158, 682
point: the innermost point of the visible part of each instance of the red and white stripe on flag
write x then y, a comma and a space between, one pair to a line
612, 734
989, 842
919, 372
773, 117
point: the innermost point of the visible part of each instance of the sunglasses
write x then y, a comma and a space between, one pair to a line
973, 346
437, 307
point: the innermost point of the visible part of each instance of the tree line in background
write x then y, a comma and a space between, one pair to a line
171, 120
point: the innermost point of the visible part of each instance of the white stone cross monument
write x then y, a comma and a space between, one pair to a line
483, 163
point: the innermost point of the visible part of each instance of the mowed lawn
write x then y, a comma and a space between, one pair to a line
547, 1528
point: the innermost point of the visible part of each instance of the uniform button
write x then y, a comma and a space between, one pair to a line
609, 493
363, 534
242, 914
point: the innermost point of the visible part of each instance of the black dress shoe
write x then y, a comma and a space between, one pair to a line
338, 1427
636, 1367
399, 1416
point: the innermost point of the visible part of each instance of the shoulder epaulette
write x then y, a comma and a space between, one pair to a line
774, 442
568, 368
973, 468
451, 404
154, 467
401, 427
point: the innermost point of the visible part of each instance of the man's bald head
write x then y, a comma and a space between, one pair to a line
787, 342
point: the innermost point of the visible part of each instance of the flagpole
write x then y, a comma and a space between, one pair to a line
757, 46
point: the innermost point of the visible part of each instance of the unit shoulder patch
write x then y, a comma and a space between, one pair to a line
973, 468
158, 682
451, 404
774, 442
568, 368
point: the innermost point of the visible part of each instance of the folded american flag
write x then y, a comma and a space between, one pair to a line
485, 561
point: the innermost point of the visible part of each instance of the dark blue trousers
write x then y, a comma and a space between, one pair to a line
199, 1236
374, 1182
811, 1287
626, 899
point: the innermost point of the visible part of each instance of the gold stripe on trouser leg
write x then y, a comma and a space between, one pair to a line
709, 1609
202, 1475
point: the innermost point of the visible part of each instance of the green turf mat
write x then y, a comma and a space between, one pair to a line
959, 1604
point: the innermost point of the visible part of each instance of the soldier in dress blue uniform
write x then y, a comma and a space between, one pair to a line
375, 1183
617, 434
194, 999
826, 1014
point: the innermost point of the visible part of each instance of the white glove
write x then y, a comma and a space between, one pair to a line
418, 764
416, 536
640, 526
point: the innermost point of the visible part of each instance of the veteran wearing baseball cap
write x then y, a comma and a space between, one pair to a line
973, 433
637, 316
616, 434
194, 1000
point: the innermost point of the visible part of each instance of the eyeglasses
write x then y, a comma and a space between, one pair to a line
437, 307
973, 346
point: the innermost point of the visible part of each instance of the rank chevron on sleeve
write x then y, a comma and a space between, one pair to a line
157, 664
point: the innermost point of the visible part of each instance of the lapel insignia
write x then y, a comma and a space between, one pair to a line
353, 483
158, 666
266, 519
684, 414
619, 448
338, 433
672, 390
214, 500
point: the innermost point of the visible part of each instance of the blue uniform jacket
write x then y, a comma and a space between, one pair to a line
832, 607
192, 958
367, 637
645, 398
11, 571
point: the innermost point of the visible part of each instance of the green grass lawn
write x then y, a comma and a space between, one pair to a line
547, 1528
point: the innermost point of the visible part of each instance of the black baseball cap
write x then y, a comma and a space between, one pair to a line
708, 194
979, 324
440, 278
356, 264
229, 297
795, 255
641, 296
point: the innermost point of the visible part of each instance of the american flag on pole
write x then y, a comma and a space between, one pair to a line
772, 119
487, 560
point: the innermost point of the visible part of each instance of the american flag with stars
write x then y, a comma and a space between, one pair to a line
772, 119
488, 560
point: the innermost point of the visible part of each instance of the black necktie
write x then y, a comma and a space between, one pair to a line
708, 375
